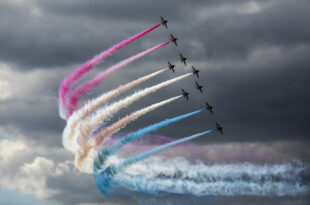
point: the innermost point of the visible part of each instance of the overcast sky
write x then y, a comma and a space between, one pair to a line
254, 58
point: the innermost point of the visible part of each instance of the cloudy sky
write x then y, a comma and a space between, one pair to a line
254, 58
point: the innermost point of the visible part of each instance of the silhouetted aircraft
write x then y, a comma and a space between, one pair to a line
209, 107
183, 59
219, 128
195, 71
199, 87
171, 66
185, 94
163, 21
173, 39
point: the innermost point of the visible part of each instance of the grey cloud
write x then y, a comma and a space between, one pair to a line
136, 10
232, 35
65, 35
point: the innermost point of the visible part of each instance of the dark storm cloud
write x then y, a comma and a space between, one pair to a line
235, 35
32, 39
42, 34
136, 10
264, 100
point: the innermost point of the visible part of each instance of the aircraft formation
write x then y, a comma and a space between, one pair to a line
195, 71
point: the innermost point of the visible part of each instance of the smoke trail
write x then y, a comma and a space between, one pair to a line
179, 168
221, 188
181, 177
69, 141
98, 139
178, 176
88, 65
85, 87
124, 121
141, 132
148, 153
112, 109
87, 127
104, 177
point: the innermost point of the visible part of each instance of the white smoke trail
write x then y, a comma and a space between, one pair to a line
179, 166
124, 121
179, 176
69, 134
85, 148
221, 188
112, 109
86, 128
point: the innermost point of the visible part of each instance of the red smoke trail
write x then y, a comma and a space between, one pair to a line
84, 88
88, 65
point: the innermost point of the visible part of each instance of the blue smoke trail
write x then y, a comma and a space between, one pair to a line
102, 155
104, 178
148, 153
200, 180
160, 178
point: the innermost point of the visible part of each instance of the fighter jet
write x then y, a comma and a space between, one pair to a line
183, 59
163, 21
185, 94
173, 39
209, 108
219, 128
171, 66
199, 87
195, 72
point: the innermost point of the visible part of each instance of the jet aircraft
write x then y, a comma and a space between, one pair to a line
219, 128
185, 94
163, 21
183, 59
195, 71
209, 107
199, 87
173, 39
171, 66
